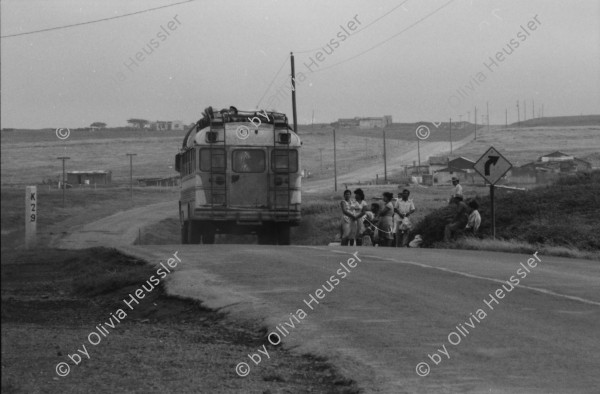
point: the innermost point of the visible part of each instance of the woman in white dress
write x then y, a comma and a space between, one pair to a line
360, 209
348, 225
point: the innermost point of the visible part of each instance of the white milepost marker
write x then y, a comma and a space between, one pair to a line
31, 216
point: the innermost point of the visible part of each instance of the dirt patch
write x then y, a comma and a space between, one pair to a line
53, 299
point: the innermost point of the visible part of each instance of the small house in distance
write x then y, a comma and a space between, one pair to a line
445, 169
445, 175
437, 163
348, 122
559, 162
163, 182
548, 168
371, 123
162, 125
100, 177
365, 123
462, 163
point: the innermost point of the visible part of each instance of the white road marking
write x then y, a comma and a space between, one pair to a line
539, 290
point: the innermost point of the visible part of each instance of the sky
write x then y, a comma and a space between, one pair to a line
427, 60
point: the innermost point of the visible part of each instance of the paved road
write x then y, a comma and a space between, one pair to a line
397, 306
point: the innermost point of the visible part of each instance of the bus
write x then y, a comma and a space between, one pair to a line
239, 174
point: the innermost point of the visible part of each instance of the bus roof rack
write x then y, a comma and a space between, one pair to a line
232, 114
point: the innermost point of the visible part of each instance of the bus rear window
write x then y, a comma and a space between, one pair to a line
212, 159
248, 160
284, 160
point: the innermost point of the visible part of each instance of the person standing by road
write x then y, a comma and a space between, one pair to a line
386, 220
359, 210
348, 225
404, 207
459, 221
457, 191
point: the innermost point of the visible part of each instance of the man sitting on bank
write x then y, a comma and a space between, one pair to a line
474, 218
457, 191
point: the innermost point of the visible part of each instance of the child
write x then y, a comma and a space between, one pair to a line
371, 231
474, 218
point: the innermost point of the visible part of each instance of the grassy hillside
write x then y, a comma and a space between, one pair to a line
564, 214
524, 145
557, 121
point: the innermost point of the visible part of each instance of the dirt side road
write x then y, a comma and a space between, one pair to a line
119, 229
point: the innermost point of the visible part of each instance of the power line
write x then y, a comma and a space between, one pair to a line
364, 28
96, 21
387, 39
272, 81
311, 50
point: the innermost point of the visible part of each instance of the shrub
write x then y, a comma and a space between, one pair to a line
563, 214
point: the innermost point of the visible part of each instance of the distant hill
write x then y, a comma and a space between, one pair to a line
557, 121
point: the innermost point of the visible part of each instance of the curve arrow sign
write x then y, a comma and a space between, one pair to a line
492, 160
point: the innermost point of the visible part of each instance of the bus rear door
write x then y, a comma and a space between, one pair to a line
248, 180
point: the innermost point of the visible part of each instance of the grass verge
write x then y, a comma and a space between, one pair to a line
515, 246
53, 299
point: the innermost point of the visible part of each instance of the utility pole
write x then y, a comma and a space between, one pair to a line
334, 162
384, 158
506, 117
493, 211
524, 110
313, 119
419, 156
131, 174
321, 152
475, 118
64, 185
518, 115
294, 93
450, 136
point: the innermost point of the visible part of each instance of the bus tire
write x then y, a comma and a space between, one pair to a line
208, 233
184, 233
283, 234
194, 232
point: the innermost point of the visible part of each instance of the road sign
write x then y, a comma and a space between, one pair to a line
30, 216
492, 166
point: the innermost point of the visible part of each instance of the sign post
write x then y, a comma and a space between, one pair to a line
30, 216
492, 166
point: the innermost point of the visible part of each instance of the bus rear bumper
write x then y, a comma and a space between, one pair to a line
251, 218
